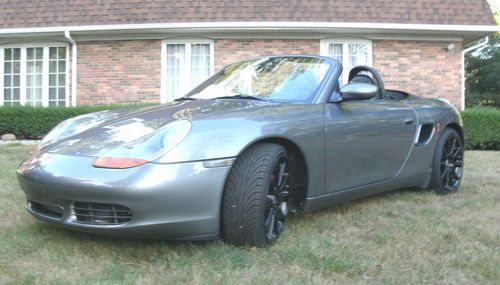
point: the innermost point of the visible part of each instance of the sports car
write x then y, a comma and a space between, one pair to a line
259, 140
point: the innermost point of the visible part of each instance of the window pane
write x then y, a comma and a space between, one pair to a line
7, 94
7, 68
62, 66
17, 81
17, 67
7, 80
53, 53
62, 93
53, 66
200, 63
30, 67
62, 53
62, 79
53, 80
16, 94
8, 54
33, 95
335, 51
358, 55
30, 53
52, 93
175, 70
17, 53
39, 53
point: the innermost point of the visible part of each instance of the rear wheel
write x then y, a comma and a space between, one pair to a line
447, 170
255, 200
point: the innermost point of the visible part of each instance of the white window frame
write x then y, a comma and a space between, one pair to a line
187, 43
325, 44
45, 72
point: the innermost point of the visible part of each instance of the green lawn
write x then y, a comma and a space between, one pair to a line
402, 237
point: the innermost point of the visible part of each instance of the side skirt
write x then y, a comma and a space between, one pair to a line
330, 199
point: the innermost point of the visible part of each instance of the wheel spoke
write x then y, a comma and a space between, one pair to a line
271, 225
280, 175
269, 217
445, 172
446, 177
453, 140
457, 153
284, 181
446, 148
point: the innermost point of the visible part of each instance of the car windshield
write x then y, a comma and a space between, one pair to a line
280, 79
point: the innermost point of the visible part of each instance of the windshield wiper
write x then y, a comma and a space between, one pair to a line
241, 96
184, 98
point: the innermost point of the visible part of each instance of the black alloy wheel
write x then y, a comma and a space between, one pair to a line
448, 162
277, 200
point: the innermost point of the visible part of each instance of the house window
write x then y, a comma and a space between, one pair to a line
33, 75
184, 66
349, 52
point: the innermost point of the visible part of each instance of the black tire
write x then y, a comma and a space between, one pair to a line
251, 196
447, 165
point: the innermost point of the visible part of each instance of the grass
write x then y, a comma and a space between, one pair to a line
403, 237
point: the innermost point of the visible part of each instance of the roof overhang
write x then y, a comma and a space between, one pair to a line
467, 33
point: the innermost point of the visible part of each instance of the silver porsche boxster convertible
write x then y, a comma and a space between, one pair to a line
258, 140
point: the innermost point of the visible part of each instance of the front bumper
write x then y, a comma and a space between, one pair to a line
168, 201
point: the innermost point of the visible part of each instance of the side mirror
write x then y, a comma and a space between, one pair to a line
358, 91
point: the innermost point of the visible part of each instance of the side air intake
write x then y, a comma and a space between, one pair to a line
424, 134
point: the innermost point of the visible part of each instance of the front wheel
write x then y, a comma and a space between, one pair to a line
447, 169
255, 200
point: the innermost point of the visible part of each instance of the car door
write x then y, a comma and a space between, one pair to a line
367, 141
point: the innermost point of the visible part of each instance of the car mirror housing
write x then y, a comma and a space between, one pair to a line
358, 91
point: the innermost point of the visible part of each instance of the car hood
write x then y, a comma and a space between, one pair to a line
124, 128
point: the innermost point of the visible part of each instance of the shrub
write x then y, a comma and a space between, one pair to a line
482, 128
474, 99
35, 122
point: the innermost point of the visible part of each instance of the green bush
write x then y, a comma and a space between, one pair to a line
482, 128
474, 99
34, 123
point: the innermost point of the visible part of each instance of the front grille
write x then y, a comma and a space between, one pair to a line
101, 214
52, 211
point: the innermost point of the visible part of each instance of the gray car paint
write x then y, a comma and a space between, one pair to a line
351, 149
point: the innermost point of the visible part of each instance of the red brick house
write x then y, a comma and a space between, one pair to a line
100, 52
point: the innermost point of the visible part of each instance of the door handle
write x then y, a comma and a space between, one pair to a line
409, 121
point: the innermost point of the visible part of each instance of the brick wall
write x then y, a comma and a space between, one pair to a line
130, 71
423, 68
115, 72
228, 51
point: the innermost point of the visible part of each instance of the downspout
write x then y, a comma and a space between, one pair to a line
73, 66
479, 45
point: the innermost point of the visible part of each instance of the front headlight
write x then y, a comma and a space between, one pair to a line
146, 149
173, 133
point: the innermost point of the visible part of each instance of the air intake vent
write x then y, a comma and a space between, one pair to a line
48, 210
424, 134
101, 214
